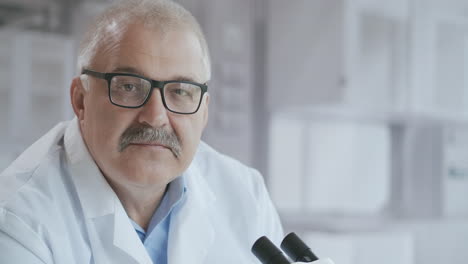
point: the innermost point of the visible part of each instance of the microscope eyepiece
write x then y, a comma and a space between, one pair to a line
296, 249
267, 252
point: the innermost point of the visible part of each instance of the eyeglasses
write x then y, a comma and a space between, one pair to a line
133, 91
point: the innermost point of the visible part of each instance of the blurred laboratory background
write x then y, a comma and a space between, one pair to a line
355, 111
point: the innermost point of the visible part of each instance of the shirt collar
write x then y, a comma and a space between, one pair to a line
173, 196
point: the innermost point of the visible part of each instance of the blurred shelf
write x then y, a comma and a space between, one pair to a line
347, 113
336, 223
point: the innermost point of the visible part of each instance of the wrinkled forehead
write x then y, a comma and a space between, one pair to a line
156, 53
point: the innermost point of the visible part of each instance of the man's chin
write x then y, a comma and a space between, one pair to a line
147, 172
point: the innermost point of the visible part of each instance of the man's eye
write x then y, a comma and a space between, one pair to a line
128, 87
181, 92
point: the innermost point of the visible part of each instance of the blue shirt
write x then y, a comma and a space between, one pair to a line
155, 239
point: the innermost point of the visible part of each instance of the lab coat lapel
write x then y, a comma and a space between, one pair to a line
110, 232
127, 239
192, 233
113, 239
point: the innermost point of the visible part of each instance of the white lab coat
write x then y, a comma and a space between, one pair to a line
56, 207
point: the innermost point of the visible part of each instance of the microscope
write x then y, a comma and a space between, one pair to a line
292, 245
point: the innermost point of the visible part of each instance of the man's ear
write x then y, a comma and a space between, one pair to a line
206, 101
77, 94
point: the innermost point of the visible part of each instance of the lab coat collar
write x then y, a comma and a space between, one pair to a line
108, 225
192, 232
95, 194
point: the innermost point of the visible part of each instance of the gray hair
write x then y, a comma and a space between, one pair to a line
163, 15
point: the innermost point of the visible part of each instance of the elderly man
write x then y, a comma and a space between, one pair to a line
128, 180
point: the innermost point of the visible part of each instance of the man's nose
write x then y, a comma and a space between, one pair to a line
153, 112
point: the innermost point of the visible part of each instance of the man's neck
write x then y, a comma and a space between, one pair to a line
139, 203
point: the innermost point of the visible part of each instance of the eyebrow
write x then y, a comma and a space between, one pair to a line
129, 69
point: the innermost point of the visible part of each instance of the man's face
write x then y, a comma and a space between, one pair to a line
171, 56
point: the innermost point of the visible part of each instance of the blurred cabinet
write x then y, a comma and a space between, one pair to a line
229, 30
369, 124
320, 166
339, 52
439, 60
364, 247
434, 176
38, 70
401, 58
5, 90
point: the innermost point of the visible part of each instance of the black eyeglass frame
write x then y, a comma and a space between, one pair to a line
154, 84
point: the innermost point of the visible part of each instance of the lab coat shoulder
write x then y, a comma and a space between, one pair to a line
42, 219
234, 183
34, 196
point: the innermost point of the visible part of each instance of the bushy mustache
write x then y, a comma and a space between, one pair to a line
144, 134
